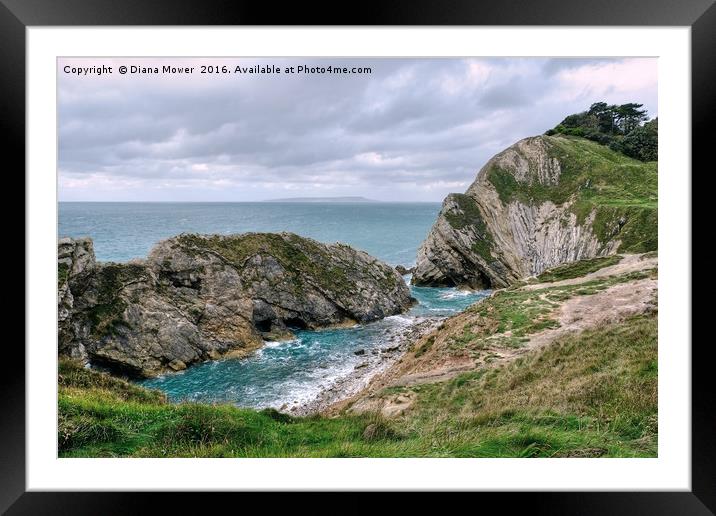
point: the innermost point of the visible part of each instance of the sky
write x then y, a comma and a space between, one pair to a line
410, 130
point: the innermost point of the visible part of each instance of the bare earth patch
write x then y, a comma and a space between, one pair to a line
630, 263
579, 313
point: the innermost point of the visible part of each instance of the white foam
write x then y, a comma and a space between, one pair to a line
456, 294
279, 343
402, 320
299, 392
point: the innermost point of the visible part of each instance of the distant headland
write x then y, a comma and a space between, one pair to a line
323, 199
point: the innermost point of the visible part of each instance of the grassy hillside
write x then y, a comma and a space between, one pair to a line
619, 190
578, 268
588, 395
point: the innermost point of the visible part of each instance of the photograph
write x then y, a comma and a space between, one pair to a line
363, 257
423, 247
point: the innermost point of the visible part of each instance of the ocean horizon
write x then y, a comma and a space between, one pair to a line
122, 231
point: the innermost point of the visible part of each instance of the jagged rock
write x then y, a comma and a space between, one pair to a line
75, 257
544, 201
403, 271
204, 297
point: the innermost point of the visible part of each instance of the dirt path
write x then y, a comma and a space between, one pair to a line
581, 312
630, 263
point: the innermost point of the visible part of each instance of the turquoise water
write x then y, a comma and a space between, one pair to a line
290, 372
296, 371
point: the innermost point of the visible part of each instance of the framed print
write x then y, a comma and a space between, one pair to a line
419, 250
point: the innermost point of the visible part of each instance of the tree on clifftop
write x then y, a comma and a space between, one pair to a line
621, 127
629, 117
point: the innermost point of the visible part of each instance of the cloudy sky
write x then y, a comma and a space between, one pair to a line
411, 130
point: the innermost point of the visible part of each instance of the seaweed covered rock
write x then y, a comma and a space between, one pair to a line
199, 297
544, 201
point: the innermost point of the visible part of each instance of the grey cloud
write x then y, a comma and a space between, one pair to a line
503, 96
556, 65
400, 125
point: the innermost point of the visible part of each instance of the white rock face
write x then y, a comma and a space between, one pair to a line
479, 241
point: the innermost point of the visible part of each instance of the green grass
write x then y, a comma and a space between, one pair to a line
578, 269
589, 395
425, 346
517, 312
63, 272
102, 416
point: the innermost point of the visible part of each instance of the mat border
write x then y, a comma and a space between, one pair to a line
17, 15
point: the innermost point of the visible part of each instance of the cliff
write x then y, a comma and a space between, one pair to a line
199, 297
544, 201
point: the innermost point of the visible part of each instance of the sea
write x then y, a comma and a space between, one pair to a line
281, 373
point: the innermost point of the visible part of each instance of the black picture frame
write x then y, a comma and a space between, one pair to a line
17, 15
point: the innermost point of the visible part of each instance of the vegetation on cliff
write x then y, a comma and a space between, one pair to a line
619, 192
577, 269
589, 171
468, 214
620, 127
303, 258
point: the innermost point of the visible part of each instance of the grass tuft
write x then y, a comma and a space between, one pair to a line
579, 268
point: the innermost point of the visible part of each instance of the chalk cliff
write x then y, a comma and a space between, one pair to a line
544, 201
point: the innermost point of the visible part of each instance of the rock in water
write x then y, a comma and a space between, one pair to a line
403, 270
544, 201
199, 297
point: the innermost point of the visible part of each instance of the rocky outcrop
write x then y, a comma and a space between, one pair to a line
204, 297
402, 270
544, 201
75, 259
